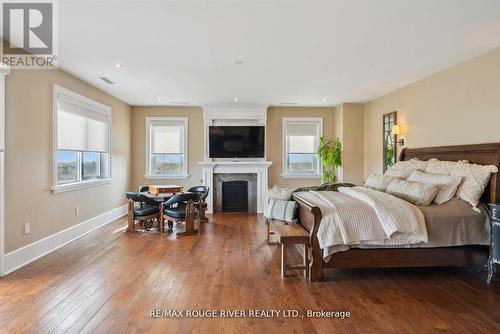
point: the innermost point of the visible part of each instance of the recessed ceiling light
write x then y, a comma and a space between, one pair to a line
159, 99
324, 99
235, 99
118, 65
238, 62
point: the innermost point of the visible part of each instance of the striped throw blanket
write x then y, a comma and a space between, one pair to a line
362, 216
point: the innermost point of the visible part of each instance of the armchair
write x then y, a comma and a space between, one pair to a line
179, 208
145, 213
143, 189
201, 205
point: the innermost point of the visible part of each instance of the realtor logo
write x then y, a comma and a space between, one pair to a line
28, 34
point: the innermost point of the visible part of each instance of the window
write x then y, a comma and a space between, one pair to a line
82, 141
300, 143
166, 147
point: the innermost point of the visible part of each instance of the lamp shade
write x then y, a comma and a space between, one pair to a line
396, 130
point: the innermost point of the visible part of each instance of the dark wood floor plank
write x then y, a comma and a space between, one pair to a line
108, 281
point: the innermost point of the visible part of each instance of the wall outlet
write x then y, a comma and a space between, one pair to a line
27, 228
77, 210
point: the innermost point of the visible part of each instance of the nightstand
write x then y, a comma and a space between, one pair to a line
494, 259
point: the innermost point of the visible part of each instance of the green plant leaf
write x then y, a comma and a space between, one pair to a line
330, 153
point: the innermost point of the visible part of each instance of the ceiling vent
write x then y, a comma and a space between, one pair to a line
106, 80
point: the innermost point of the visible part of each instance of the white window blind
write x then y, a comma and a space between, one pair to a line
167, 138
81, 129
301, 137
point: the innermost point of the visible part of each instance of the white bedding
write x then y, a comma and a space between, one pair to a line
361, 216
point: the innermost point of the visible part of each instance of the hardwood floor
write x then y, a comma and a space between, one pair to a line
108, 281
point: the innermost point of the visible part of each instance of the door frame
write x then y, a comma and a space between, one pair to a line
4, 71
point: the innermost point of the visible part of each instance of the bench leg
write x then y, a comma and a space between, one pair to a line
306, 260
268, 230
283, 260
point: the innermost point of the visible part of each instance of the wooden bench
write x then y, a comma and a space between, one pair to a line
290, 234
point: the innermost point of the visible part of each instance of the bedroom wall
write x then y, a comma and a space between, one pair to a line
195, 143
28, 159
274, 140
460, 105
352, 138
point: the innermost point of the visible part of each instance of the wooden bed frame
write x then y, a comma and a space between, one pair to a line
310, 218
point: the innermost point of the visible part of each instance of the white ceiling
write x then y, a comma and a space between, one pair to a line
292, 51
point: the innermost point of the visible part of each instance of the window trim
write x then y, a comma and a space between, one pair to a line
284, 172
63, 93
147, 151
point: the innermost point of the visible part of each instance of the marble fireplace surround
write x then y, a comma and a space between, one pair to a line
251, 178
237, 169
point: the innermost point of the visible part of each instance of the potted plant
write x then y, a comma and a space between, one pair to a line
330, 153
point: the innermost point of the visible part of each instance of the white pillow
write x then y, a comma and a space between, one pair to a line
475, 180
440, 167
399, 173
420, 194
411, 164
448, 184
378, 182
279, 193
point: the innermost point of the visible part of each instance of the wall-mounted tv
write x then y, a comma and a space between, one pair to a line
236, 141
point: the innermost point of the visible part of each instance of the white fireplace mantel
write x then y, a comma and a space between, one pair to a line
209, 168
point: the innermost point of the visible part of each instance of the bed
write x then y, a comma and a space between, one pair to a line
431, 254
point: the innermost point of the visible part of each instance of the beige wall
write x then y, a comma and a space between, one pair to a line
28, 159
460, 105
274, 140
195, 143
352, 138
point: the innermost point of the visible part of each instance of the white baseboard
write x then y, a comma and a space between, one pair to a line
27, 254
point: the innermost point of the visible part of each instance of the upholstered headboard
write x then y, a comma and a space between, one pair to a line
483, 154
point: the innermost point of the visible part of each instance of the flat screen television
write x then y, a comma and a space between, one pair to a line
236, 141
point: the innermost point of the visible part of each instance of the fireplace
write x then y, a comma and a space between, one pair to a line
216, 172
235, 192
235, 196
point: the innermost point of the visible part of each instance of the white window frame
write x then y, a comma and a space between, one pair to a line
90, 104
285, 173
184, 174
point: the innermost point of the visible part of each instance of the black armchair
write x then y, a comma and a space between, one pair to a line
146, 212
143, 189
202, 204
179, 208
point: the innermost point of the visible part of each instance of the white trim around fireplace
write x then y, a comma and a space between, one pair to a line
209, 168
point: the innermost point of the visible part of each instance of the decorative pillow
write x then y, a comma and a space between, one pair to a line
281, 210
436, 166
378, 182
475, 180
399, 173
411, 164
279, 193
420, 194
447, 184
